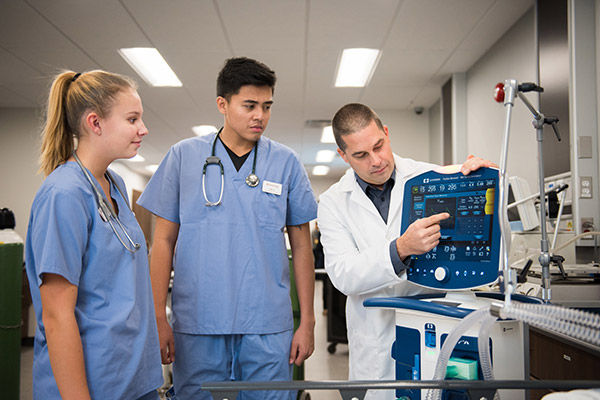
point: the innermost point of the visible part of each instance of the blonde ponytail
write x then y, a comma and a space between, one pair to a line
57, 142
71, 95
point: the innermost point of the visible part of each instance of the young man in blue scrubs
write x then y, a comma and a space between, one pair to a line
221, 233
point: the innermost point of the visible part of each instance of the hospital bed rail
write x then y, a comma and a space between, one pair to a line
356, 390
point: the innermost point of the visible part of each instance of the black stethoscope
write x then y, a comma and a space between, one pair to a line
105, 210
251, 180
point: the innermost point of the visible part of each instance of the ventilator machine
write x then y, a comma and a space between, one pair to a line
467, 257
458, 332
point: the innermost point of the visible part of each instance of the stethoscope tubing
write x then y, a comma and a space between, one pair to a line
251, 180
106, 212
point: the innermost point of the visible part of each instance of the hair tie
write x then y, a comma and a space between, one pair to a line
75, 76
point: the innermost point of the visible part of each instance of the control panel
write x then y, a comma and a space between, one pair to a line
469, 249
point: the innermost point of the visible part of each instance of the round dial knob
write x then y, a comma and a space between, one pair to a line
442, 274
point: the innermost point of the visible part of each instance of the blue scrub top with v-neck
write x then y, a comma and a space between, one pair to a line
231, 273
114, 308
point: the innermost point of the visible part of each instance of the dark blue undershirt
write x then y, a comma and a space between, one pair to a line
381, 200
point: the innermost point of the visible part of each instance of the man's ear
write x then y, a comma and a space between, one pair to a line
343, 155
222, 105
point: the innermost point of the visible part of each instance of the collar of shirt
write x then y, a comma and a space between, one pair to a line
365, 185
238, 161
379, 197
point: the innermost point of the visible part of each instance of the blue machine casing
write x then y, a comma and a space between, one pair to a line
469, 249
467, 257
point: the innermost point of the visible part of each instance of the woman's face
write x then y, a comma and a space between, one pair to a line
123, 128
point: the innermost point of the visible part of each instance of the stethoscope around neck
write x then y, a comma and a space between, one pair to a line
251, 180
106, 212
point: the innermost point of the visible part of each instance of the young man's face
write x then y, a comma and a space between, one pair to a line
369, 153
248, 112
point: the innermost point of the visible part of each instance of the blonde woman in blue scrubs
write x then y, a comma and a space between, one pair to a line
88, 270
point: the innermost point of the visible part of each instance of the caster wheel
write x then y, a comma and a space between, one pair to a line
304, 396
331, 348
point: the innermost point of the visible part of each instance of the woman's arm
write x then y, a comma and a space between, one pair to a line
62, 334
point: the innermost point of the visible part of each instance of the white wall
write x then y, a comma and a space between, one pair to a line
598, 67
512, 57
409, 132
435, 133
19, 152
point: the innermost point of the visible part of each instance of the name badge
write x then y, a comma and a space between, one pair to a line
271, 187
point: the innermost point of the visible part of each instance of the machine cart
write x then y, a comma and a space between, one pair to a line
424, 322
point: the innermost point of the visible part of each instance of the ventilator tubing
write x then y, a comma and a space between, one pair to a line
481, 314
577, 324
574, 323
483, 345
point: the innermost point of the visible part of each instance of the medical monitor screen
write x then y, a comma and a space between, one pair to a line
467, 255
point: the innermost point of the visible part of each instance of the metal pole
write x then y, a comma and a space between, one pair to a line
510, 92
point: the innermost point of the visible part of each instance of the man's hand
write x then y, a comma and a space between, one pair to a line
421, 236
474, 163
167, 343
303, 344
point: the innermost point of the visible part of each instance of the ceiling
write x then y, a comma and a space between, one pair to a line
422, 43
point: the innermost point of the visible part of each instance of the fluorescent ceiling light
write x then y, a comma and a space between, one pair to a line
202, 130
151, 66
356, 67
136, 158
325, 156
320, 170
152, 168
327, 135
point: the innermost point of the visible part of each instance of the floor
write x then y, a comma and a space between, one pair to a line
321, 366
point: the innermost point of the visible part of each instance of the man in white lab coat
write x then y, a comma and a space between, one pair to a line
360, 219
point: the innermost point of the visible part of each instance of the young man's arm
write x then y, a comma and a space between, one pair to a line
161, 264
303, 343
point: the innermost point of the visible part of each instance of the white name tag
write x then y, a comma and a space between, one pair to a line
271, 187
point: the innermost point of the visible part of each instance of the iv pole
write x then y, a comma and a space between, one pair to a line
507, 93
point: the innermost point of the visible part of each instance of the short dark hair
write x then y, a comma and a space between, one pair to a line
243, 71
352, 118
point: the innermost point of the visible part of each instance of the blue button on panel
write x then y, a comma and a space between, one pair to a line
430, 335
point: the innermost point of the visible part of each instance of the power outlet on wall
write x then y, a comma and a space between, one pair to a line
585, 187
587, 225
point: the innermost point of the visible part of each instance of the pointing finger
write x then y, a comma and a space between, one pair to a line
436, 218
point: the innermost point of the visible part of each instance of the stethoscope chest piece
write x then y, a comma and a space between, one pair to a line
252, 180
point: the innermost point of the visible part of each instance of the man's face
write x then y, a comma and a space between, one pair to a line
248, 112
369, 154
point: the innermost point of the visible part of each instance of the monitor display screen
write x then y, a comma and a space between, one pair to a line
467, 255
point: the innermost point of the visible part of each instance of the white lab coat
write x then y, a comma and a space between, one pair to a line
356, 244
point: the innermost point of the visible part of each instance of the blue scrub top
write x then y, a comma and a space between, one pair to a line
231, 269
114, 309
